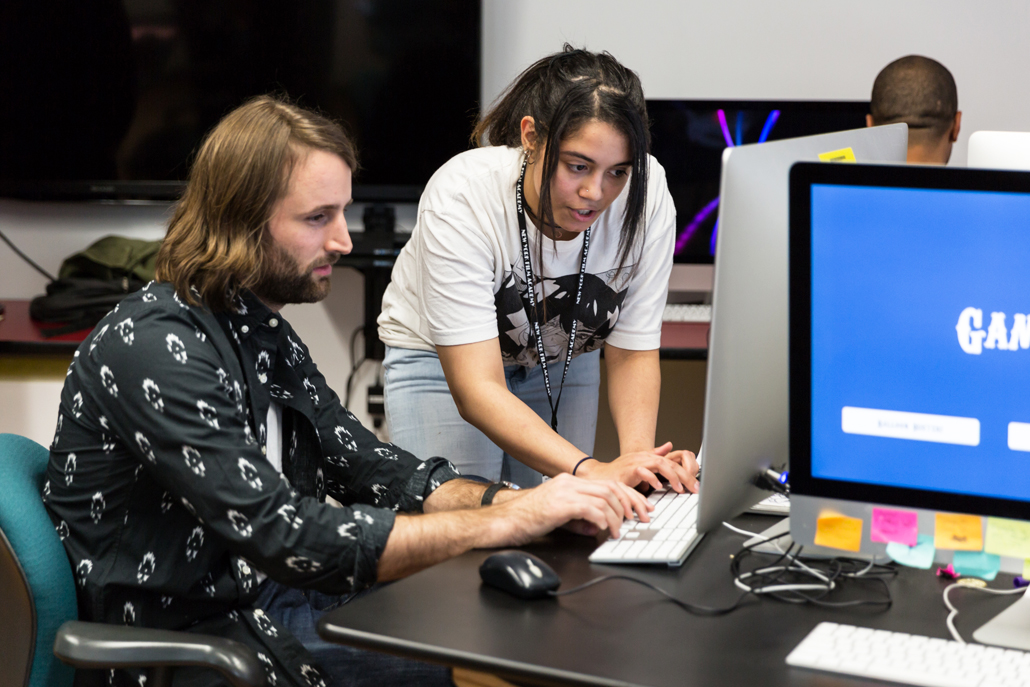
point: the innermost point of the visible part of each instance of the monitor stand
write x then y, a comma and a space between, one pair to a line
780, 546
1010, 628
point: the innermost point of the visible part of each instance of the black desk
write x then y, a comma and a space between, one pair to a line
618, 633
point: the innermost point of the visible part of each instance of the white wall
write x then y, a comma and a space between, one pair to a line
801, 49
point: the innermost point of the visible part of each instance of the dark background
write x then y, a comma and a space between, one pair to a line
126, 90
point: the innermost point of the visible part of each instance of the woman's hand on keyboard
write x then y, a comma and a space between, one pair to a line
679, 468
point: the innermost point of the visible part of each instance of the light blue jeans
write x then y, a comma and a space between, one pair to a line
422, 417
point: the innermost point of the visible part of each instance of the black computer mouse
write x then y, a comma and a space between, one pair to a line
520, 574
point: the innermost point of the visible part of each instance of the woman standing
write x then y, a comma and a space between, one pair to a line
503, 378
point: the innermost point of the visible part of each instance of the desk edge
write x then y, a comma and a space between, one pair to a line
462, 659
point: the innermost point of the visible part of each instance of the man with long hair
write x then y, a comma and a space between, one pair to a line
197, 441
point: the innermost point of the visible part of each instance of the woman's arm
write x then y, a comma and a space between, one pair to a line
634, 384
475, 377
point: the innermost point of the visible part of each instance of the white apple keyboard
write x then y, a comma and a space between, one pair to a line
668, 538
687, 312
909, 659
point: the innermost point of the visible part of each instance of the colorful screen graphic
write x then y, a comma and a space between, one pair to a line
688, 137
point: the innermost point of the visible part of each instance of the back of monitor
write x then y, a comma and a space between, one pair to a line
746, 399
1000, 150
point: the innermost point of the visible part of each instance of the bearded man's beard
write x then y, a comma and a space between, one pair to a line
283, 282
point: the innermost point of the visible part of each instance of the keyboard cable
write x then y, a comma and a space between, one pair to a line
950, 621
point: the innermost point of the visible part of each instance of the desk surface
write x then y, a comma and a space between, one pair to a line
619, 633
684, 340
20, 334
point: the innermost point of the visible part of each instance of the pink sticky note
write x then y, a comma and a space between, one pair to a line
901, 526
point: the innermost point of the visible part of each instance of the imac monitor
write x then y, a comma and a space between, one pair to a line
999, 150
745, 422
689, 136
910, 346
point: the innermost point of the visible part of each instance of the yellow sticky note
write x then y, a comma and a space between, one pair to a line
842, 155
1008, 537
1026, 569
958, 532
838, 532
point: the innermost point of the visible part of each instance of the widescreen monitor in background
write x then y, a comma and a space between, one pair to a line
910, 347
689, 137
745, 422
125, 90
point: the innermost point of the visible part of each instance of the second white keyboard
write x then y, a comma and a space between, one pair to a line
909, 659
668, 538
687, 312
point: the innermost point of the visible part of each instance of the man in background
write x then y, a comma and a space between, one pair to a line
920, 92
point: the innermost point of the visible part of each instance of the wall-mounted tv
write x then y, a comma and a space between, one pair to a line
688, 137
123, 91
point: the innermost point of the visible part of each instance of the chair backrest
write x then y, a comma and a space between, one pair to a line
37, 591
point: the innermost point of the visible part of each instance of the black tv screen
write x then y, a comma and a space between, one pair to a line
126, 89
688, 137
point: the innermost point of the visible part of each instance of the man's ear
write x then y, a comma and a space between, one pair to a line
528, 126
869, 120
956, 126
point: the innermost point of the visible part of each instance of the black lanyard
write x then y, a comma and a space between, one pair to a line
531, 312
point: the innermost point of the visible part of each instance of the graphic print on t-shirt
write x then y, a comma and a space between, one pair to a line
600, 305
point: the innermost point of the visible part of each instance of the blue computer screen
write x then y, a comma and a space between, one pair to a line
920, 340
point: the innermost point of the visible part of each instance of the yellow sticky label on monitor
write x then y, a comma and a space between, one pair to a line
958, 532
838, 532
1008, 537
842, 155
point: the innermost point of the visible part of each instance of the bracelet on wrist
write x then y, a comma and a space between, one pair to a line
580, 463
491, 491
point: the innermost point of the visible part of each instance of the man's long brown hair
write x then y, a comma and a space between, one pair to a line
214, 242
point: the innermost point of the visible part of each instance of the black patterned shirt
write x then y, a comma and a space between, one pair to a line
160, 490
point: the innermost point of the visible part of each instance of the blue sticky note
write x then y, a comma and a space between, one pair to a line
918, 556
977, 564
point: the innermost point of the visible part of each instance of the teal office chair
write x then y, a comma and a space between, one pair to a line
38, 608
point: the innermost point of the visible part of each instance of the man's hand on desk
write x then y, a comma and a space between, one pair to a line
679, 468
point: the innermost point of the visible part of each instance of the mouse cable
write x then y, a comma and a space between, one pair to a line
26, 258
686, 606
950, 621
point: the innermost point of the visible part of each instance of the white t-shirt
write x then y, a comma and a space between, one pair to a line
460, 278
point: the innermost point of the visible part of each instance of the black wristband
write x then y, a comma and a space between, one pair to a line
491, 491
580, 463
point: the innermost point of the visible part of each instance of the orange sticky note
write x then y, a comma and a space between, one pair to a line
838, 532
958, 532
